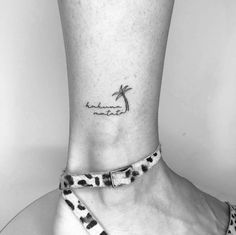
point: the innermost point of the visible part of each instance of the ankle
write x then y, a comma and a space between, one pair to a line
140, 191
109, 148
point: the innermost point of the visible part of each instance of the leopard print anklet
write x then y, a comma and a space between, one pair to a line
114, 178
232, 220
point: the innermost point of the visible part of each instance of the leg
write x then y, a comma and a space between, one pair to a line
110, 45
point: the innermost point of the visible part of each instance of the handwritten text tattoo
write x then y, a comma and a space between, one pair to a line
112, 110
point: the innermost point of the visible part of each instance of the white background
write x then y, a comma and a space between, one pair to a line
198, 100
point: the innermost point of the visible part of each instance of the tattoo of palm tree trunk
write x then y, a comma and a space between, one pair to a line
121, 93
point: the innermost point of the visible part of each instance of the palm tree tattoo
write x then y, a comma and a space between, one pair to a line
112, 110
121, 93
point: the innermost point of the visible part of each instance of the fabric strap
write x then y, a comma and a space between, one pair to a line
115, 178
232, 220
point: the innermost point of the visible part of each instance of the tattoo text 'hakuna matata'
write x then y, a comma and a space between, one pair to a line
112, 110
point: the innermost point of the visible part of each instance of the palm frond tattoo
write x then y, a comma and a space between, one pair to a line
121, 93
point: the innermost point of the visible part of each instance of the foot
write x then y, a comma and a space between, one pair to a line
160, 202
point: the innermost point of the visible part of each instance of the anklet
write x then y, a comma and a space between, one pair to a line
115, 178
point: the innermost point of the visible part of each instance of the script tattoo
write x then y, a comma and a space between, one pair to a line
112, 110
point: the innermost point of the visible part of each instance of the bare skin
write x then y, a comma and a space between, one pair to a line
115, 55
